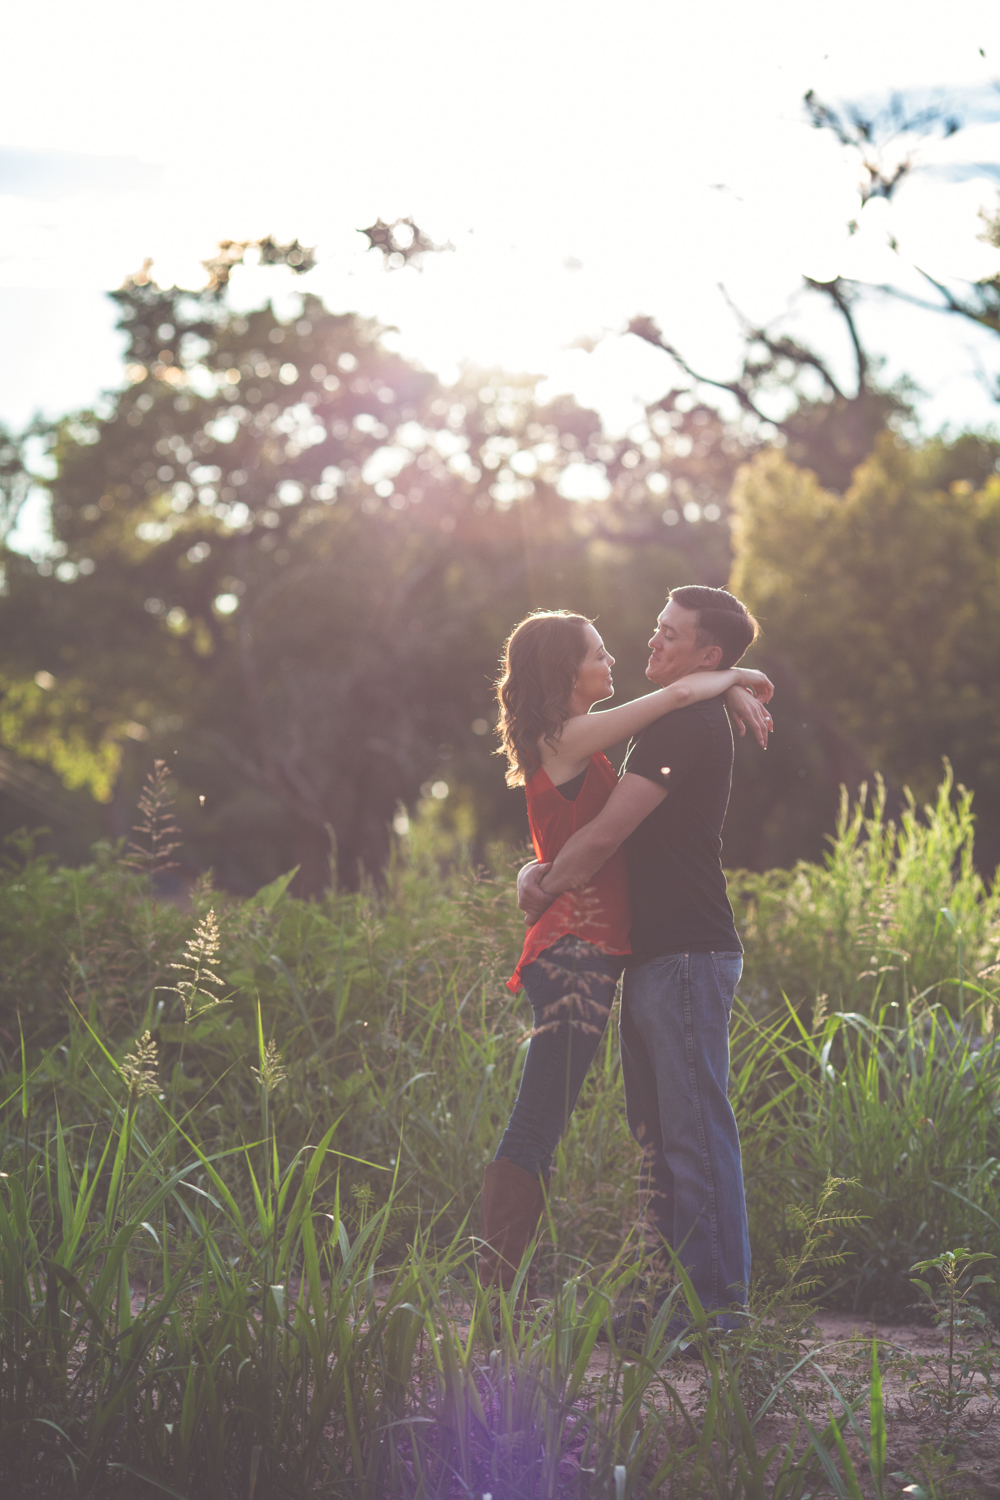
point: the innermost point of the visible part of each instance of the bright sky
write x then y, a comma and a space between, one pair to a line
588, 161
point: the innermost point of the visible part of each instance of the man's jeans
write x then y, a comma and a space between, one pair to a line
571, 986
675, 1062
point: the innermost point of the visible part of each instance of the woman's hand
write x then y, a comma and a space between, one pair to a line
762, 687
745, 709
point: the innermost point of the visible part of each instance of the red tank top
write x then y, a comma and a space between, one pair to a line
599, 912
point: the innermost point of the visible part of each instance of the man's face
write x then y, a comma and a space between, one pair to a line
674, 652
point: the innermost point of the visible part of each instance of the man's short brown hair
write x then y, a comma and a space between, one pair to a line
722, 620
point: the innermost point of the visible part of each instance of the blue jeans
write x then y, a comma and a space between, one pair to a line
571, 986
675, 1063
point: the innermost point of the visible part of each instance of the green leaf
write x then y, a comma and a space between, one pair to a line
269, 895
24, 1072
853, 1488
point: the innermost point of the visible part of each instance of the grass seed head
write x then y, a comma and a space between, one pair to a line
270, 1074
139, 1068
199, 965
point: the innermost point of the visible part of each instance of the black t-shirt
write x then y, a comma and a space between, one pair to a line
679, 901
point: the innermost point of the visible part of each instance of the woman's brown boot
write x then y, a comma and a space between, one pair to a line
511, 1207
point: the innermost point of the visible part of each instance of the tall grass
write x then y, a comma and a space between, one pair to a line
895, 915
238, 1199
907, 1113
303, 1362
182, 1346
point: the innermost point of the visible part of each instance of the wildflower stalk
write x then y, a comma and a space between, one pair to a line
955, 1312
200, 968
270, 1075
139, 1070
156, 826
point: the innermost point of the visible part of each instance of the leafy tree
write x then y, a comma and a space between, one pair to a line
784, 804
40, 720
286, 561
15, 480
886, 601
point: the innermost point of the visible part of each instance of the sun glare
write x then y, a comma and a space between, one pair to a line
618, 165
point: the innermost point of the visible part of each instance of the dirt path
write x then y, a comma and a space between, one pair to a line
843, 1352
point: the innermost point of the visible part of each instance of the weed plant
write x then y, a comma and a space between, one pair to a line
971, 1366
242, 1146
894, 916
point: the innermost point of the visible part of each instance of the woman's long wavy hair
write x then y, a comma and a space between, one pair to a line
540, 662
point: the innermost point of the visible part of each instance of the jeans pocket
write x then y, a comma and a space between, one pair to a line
728, 968
667, 963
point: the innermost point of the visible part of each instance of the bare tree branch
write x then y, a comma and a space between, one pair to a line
644, 328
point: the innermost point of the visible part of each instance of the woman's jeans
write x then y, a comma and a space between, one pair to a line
675, 1064
571, 986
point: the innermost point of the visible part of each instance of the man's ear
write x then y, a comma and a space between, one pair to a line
711, 657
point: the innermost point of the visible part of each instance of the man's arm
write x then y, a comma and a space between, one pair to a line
633, 799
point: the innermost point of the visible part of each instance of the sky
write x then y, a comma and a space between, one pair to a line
587, 161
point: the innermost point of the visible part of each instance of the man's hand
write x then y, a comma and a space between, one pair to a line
586, 850
745, 709
530, 898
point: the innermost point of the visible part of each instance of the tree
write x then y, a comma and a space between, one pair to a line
886, 601
888, 142
286, 561
784, 805
830, 432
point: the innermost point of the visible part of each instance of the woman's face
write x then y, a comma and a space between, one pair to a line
593, 678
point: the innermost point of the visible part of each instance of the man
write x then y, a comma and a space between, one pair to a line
677, 994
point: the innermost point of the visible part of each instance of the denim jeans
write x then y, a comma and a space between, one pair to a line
675, 1063
571, 986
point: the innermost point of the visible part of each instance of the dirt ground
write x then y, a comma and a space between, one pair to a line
974, 1440
843, 1351
966, 1464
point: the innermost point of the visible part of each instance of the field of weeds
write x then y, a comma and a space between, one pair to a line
242, 1143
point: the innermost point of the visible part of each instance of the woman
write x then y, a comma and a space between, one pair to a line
556, 667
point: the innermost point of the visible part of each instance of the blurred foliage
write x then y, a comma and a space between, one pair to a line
15, 480
894, 914
285, 560
45, 721
886, 602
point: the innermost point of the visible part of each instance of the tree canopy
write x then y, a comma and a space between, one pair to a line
886, 601
286, 559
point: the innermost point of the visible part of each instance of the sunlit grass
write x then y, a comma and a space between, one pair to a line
237, 1242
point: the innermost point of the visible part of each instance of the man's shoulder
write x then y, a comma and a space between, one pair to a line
694, 719
695, 741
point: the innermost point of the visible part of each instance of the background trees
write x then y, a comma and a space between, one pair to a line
285, 559
887, 601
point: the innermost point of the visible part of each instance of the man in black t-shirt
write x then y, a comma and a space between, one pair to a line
677, 995
679, 901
